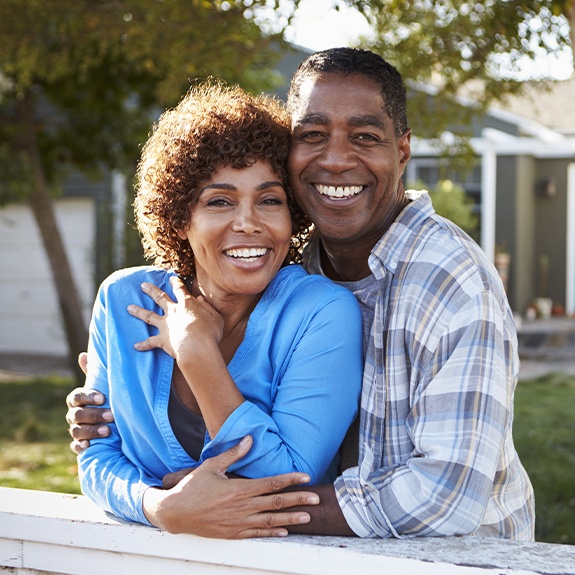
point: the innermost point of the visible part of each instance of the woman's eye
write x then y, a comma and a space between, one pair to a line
216, 202
273, 201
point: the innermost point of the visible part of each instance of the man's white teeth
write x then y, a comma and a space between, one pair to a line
246, 253
338, 191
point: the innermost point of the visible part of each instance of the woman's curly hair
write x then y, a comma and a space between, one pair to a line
213, 126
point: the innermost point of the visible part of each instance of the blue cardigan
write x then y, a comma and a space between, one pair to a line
299, 368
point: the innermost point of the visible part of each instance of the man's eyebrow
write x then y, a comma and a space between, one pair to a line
313, 118
360, 121
367, 120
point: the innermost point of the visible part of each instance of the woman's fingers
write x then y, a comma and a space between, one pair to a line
146, 315
158, 295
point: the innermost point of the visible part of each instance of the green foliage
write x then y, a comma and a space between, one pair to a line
98, 72
544, 434
470, 49
34, 441
450, 201
34, 451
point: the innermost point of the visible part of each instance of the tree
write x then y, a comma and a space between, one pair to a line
469, 47
79, 80
450, 201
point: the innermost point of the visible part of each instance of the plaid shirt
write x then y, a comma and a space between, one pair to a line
436, 453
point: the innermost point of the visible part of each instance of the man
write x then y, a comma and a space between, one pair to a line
436, 454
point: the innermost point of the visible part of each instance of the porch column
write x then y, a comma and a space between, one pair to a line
570, 251
488, 193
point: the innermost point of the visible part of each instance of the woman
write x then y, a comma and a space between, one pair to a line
237, 341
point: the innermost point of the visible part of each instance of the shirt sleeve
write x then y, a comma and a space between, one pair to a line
317, 399
459, 419
106, 475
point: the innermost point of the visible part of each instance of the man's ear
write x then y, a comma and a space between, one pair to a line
404, 147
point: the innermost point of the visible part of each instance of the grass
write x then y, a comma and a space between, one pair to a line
544, 433
34, 451
34, 439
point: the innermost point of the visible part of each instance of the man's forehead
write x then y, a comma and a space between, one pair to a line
323, 97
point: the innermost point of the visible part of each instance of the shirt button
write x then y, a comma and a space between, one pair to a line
392, 264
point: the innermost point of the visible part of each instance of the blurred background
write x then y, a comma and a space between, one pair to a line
491, 88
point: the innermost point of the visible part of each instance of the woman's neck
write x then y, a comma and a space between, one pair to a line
235, 311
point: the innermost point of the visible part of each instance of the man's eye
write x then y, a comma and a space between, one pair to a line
367, 138
311, 136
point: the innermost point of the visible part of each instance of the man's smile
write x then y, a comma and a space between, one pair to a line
338, 192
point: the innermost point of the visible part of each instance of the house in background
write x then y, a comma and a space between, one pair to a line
523, 184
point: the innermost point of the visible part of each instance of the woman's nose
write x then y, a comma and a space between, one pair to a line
247, 220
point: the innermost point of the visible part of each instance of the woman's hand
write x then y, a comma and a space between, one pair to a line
205, 502
186, 324
190, 331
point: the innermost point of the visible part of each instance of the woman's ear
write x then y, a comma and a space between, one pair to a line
183, 232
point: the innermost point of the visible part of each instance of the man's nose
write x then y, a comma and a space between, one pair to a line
337, 155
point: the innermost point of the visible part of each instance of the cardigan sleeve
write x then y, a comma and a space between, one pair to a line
107, 476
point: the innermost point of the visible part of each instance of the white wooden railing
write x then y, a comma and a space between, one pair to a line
57, 533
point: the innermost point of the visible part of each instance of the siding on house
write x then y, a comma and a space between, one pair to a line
29, 310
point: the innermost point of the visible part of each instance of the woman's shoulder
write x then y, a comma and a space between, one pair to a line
134, 276
295, 280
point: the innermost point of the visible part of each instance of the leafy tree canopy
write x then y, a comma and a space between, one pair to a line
81, 79
100, 66
472, 48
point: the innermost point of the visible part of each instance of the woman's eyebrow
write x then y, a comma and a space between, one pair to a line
270, 184
232, 187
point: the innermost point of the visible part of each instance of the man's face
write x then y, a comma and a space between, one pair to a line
345, 161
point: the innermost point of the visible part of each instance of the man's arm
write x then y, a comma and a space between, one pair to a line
216, 506
208, 503
85, 422
325, 517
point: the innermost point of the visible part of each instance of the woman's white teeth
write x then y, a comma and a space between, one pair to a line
246, 253
338, 191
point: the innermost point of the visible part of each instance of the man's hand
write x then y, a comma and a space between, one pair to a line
208, 503
86, 422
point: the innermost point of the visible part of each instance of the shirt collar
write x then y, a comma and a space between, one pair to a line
392, 248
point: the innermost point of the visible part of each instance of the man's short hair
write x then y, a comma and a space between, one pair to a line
356, 61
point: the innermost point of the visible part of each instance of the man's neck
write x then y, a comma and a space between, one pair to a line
349, 261
340, 263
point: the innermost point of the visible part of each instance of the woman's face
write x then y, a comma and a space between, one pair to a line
239, 230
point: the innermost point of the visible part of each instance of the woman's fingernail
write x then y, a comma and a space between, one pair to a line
103, 430
107, 415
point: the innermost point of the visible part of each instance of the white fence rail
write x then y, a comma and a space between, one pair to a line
56, 533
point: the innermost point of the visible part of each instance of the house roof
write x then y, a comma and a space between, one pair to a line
551, 105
